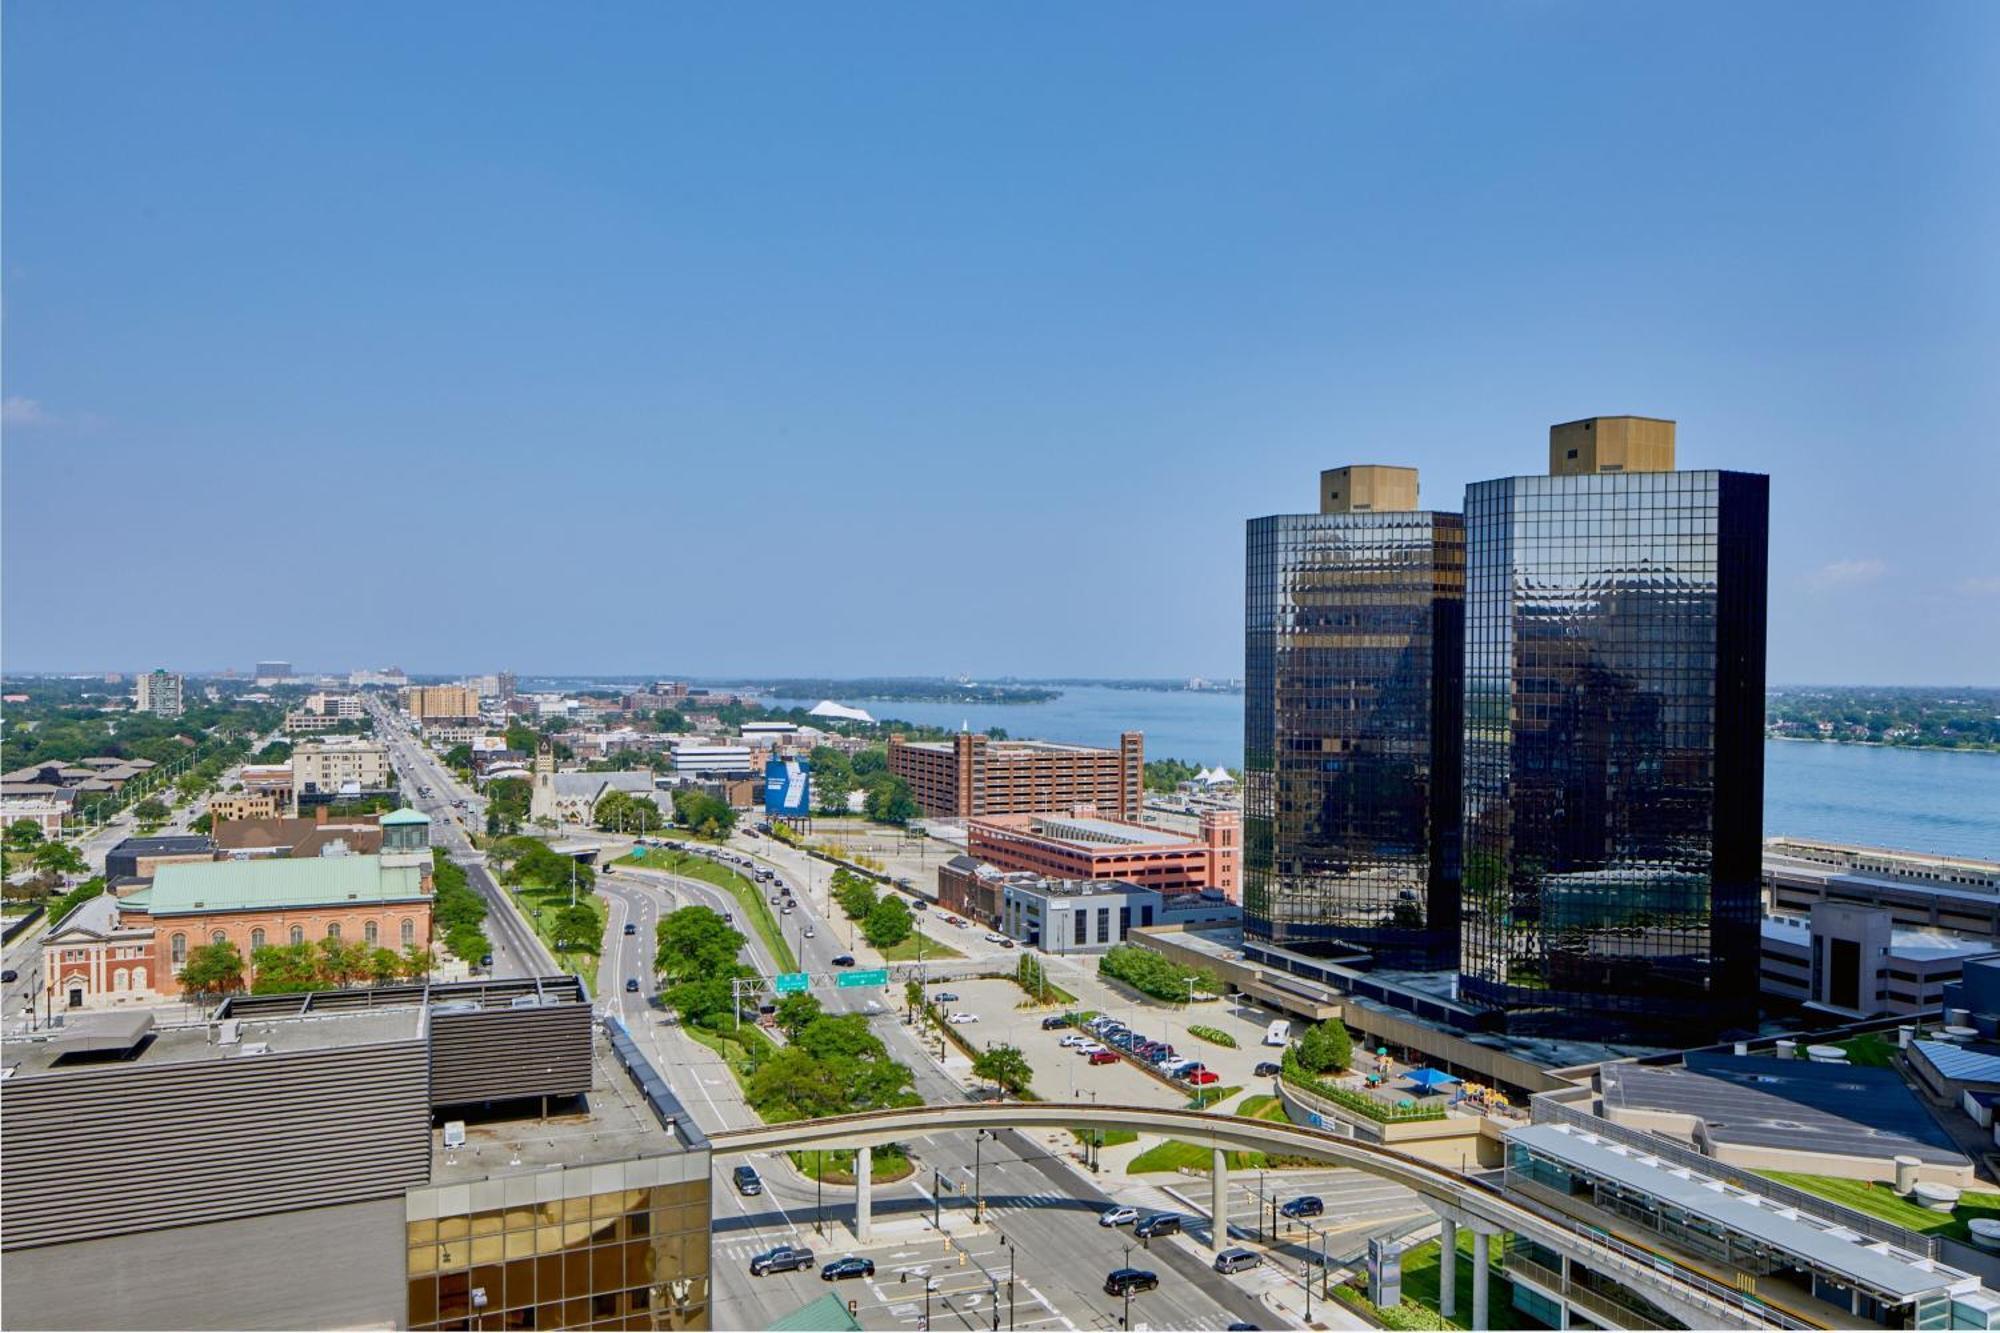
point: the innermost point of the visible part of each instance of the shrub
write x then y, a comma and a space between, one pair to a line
1154, 974
1326, 1046
1209, 1034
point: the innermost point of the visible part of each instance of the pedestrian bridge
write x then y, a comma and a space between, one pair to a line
1458, 1200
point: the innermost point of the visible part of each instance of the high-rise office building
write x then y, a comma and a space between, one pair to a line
161, 692
1614, 690
1354, 646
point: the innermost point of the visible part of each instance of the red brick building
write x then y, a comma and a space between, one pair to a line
971, 775
1086, 847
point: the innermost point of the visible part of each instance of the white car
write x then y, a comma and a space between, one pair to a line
995, 937
963, 1018
1090, 1048
1073, 1040
1118, 1217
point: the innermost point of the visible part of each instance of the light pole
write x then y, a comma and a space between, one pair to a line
1010, 1284
819, 1190
978, 1186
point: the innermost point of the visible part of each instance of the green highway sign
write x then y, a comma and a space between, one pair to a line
791, 983
876, 977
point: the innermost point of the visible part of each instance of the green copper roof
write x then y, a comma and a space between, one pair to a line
828, 1314
404, 816
316, 881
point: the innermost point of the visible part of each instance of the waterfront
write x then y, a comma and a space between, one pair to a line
1922, 800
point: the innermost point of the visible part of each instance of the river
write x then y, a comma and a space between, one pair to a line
1919, 800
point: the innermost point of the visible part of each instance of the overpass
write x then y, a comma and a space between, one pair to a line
1458, 1200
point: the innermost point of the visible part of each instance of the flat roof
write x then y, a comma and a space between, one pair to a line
1765, 1102
214, 886
42, 1053
1817, 1243
1962, 1064
1101, 832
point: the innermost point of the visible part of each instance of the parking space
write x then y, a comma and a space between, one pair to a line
1059, 1071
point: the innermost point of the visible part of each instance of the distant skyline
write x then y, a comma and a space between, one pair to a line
795, 341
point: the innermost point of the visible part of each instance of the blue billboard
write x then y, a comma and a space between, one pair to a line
787, 789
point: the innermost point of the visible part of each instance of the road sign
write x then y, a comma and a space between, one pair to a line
791, 983
873, 977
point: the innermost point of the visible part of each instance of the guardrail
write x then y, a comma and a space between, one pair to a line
20, 924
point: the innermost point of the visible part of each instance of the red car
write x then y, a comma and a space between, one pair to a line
1201, 1078
1104, 1057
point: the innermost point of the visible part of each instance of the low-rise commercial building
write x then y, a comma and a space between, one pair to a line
1089, 916
1917, 889
971, 775
1855, 961
420, 1157
141, 858
705, 759
45, 812
1085, 847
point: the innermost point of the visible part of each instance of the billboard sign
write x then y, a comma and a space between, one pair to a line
787, 788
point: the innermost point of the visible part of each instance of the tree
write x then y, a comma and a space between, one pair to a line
694, 942
913, 996
341, 962
59, 858
706, 814
888, 922
796, 1012
384, 965
577, 929
212, 969
23, 834
1005, 1068
890, 801
1326, 1046
670, 720
150, 811
281, 969
418, 962
458, 756
202, 823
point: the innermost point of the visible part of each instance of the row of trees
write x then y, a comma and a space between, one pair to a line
705, 815
1151, 974
623, 812
458, 911
836, 775
277, 969
885, 919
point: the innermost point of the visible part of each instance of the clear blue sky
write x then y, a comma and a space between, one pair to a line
971, 334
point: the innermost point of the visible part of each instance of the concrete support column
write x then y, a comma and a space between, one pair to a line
864, 1195
1218, 1199
1480, 1259
1448, 1268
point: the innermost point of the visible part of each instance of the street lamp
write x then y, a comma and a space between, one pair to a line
978, 1188
1010, 1284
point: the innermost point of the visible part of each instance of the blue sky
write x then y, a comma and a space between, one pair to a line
823, 339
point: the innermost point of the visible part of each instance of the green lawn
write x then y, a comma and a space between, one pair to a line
551, 901
1204, 1098
1882, 1201
906, 952
1420, 1287
1111, 1138
888, 1164
741, 1049
1871, 1048
1263, 1107
752, 902
1173, 1155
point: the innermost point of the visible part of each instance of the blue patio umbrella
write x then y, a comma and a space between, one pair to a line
1429, 1080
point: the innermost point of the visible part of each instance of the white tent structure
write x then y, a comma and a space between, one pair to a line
828, 708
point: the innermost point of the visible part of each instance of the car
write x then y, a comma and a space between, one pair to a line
1127, 1281
774, 900
747, 1180
1202, 1078
963, 1018
946, 997
843, 960
1120, 1216
1103, 1057
1235, 1259
1268, 1069
784, 1259
1054, 1021
632, 984
1182, 1068
1305, 1205
873, 1006
1072, 1040
852, 1266
809, 932
1158, 1224
994, 937
1006, 944
10, 976
486, 960
1091, 1048
631, 928
787, 910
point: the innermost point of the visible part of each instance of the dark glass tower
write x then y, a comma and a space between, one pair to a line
1354, 645
1614, 776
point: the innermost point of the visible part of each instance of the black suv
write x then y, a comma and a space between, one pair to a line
1158, 1224
1306, 1205
784, 1259
1126, 1281
748, 1181
843, 960
1268, 1069
1053, 1022
851, 1266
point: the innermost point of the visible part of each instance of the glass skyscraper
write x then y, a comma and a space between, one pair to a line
1352, 688
1614, 702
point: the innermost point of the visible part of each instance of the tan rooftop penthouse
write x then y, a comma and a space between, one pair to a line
1611, 444
1364, 488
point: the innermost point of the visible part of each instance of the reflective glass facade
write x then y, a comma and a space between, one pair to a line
1352, 688
624, 1258
1614, 689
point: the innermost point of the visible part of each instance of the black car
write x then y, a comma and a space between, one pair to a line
1158, 1224
632, 985
784, 1259
1125, 1281
631, 928
851, 1266
1268, 1069
10, 976
1306, 1205
1053, 1022
748, 1181
843, 960
946, 997
486, 960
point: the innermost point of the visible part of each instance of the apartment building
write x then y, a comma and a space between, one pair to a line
971, 775
428, 702
337, 764
1085, 847
160, 693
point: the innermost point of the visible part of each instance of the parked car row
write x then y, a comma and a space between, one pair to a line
1113, 1037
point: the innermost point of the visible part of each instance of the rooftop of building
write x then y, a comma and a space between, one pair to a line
1782, 843
134, 1038
1910, 942
1085, 831
1072, 888
287, 882
1020, 746
173, 844
1895, 1274
1761, 1101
